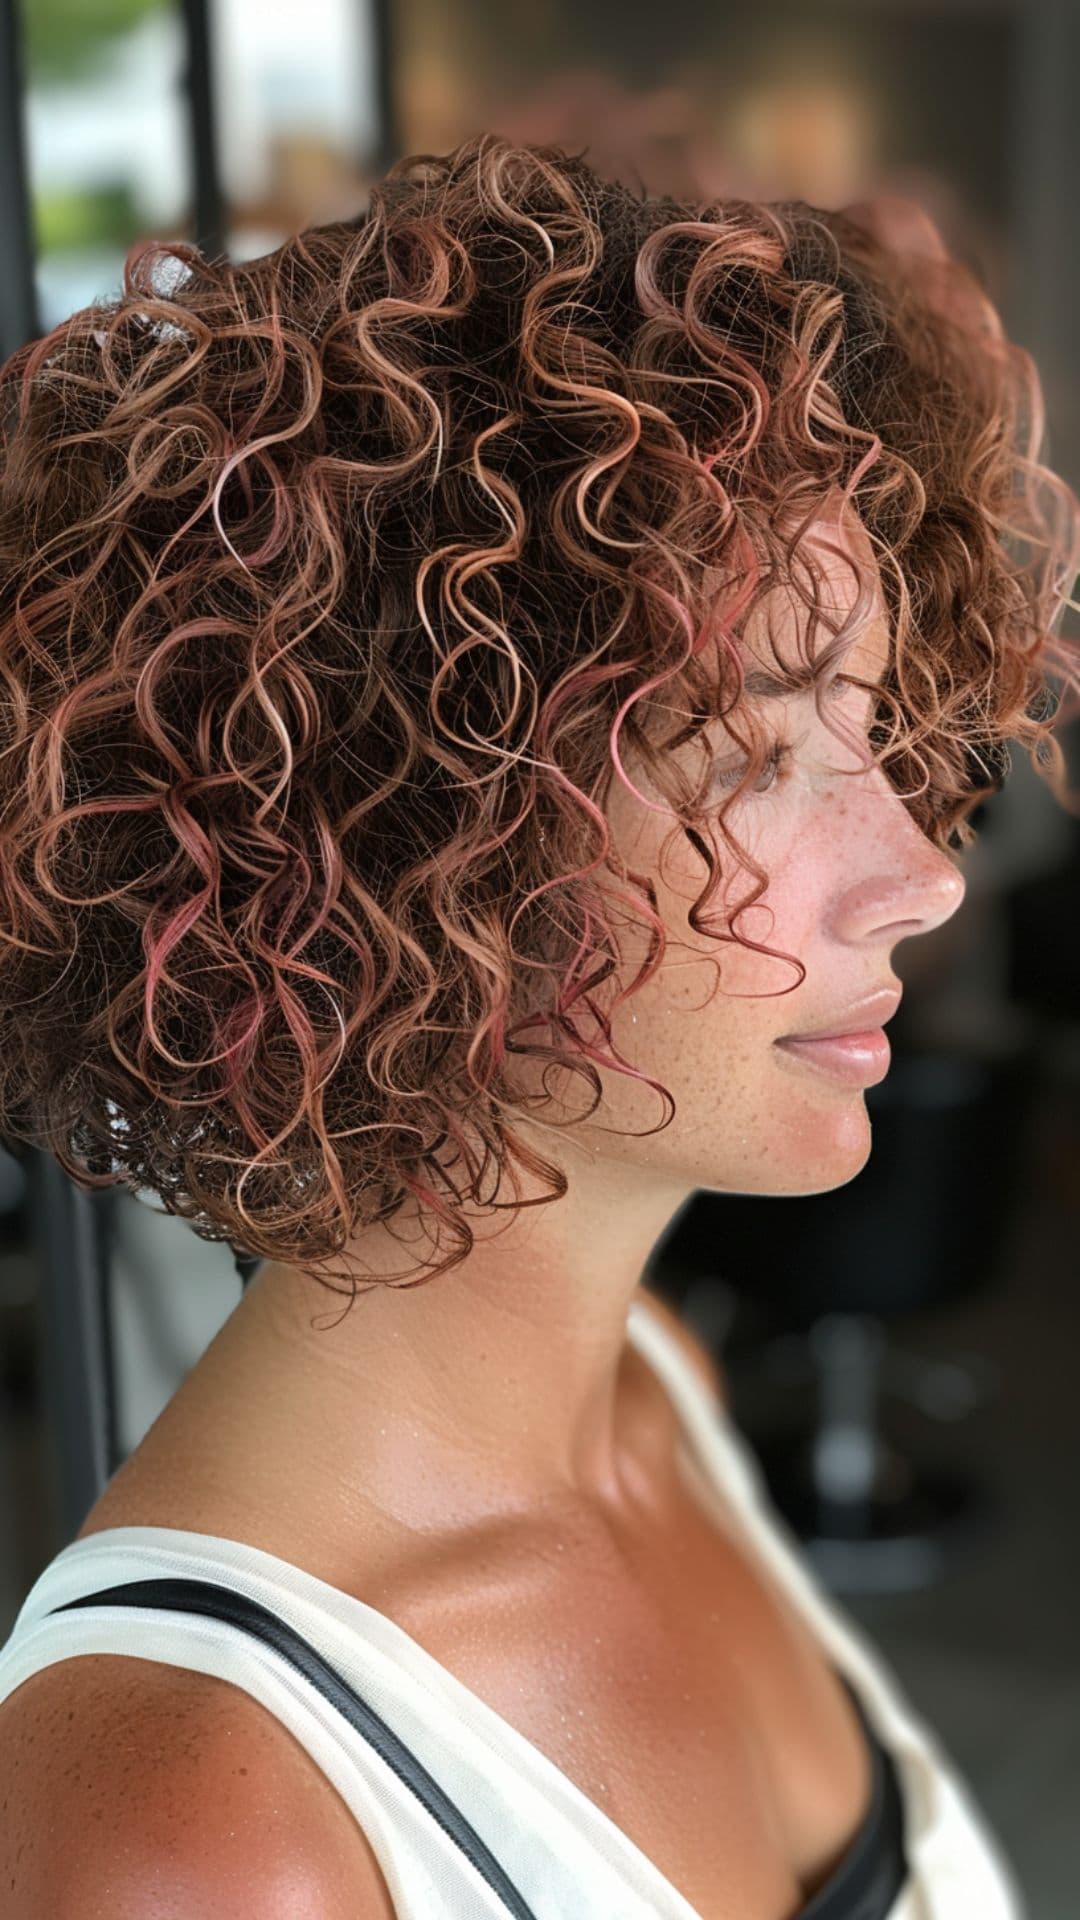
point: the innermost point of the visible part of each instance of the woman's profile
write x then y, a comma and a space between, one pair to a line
486, 690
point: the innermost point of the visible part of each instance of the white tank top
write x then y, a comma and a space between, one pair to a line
468, 1819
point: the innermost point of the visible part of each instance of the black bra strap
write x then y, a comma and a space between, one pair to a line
875, 1867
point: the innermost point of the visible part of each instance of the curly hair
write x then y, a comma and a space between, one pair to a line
330, 584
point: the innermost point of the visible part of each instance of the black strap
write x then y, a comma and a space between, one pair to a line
204, 1596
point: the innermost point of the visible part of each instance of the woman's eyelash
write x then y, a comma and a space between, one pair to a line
728, 777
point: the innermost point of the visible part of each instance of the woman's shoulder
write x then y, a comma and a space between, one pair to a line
131, 1785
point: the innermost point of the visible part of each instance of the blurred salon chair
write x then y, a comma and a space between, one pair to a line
801, 1293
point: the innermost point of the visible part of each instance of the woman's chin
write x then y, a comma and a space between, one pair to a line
820, 1152
840, 1153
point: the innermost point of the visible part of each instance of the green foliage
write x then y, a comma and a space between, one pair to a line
63, 38
84, 217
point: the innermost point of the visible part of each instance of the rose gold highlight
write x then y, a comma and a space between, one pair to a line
337, 586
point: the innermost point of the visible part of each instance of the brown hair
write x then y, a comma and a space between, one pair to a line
334, 587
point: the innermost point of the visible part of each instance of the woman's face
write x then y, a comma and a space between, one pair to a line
850, 876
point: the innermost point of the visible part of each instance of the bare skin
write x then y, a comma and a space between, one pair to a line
487, 1461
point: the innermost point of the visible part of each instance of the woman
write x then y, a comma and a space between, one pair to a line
523, 651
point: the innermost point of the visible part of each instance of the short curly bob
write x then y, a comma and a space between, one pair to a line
335, 586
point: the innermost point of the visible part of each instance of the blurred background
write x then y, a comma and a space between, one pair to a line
901, 1353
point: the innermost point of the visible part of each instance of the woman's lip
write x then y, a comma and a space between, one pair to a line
854, 1059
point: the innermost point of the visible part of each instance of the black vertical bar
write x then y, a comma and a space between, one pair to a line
208, 212
388, 140
1045, 175
19, 317
71, 1228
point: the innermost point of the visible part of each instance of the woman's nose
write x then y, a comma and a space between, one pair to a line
917, 891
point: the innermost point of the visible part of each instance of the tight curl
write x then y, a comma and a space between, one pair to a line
335, 587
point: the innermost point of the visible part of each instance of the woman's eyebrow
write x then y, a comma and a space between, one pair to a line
769, 686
